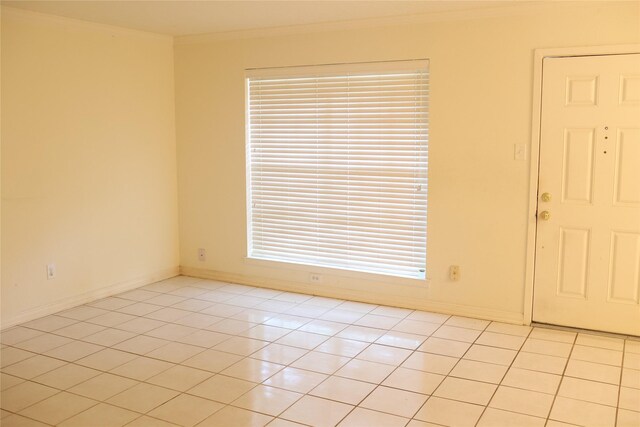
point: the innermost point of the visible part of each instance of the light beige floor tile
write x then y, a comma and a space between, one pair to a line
222, 388
393, 401
482, 353
554, 423
175, 352
33, 366
50, 323
444, 347
74, 351
361, 333
58, 408
79, 330
342, 347
111, 319
141, 344
553, 335
103, 386
630, 378
142, 368
109, 337
551, 348
532, 380
256, 315
522, 401
629, 399
252, 370
632, 346
600, 341
341, 316
267, 400
42, 343
465, 390
240, 346
278, 353
479, 371
306, 340
632, 361
146, 421
212, 360
401, 340
363, 370
142, 397
180, 378
110, 303
265, 333
591, 391
494, 339
231, 416
231, 326
467, 322
8, 381
417, 423
540, 362
376, 321
16, 420
384, 354
360, 417
427, 316
198, 320
168, 314
509, 329
628, 418
279, 422
449, 412
412, 380
457, 334
582, 413
323, 327
593, 371
186, 410
11, 355
66, 376
106, 359
320, 362
417, 327
317, 412
428, 362
385, 310
23, 395
140, 325
298, 380
165, 300
597, 355
223, 310
171, 331
287, 321
82, 312
343, 390
138, 295
498, 418
101, 415
17, 334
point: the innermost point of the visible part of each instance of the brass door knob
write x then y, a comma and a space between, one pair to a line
545, 215
546, 197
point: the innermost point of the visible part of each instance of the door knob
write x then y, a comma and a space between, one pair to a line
545, 215
546, 197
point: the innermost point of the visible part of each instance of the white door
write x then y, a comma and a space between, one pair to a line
587, 272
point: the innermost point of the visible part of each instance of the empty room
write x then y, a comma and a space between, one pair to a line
320, 213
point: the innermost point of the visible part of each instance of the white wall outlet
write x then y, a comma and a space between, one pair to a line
520, 152
315, 278
51, 271
202, 254
454, 273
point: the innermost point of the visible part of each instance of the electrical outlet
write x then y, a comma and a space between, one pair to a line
454, 273
202, 254
51, 271
315, 278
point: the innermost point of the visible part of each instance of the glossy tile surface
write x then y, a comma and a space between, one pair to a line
192, 352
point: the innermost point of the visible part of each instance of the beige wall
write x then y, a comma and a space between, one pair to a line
481, 105
88, 162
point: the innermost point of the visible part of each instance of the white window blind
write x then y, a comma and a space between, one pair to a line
337, 166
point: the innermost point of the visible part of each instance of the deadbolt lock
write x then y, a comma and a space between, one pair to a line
545, 215
546, 197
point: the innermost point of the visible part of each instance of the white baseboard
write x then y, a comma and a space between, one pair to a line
354, 295
85, 297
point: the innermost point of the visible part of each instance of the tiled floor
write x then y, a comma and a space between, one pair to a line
197, 352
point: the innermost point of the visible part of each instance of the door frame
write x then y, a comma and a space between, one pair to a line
534, 156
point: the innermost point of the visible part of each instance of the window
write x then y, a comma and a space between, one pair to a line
337, 166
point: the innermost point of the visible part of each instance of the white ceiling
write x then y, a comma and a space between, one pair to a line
186, 17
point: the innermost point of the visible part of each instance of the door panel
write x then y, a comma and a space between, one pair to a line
587, 270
